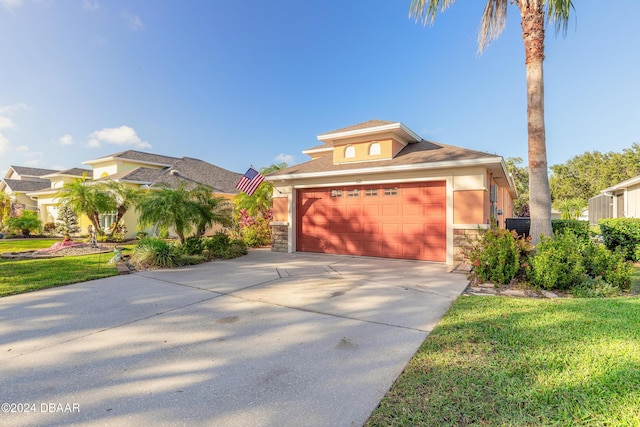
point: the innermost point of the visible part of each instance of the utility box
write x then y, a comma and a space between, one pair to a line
522, 226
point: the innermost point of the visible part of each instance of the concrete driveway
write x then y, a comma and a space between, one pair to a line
268, 339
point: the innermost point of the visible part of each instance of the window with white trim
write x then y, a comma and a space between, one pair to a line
374, 149
349, 152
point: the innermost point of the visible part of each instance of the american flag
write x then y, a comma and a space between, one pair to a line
250, 181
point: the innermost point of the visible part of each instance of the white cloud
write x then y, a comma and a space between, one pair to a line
133, 21
6, 123
8, 109
90, 5
10, 3
124, 136
286, 158
66, 140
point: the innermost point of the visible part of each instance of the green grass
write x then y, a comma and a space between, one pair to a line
496, 361
31, 275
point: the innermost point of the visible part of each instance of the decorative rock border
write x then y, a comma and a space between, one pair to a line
489, 289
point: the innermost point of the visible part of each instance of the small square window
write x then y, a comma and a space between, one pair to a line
369, 192
353, 193
336, 193
391, 191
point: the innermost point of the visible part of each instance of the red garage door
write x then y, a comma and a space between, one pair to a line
394, 221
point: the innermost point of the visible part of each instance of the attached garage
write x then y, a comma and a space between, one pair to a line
378, 189
393, 221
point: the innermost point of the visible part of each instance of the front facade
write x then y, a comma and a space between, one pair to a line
378, 189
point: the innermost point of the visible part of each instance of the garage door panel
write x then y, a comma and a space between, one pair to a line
403, 221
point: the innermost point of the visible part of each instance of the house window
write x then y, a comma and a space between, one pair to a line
374, 149
349, 152
336, 193
107, 220
369, 192
391, 191
353, 193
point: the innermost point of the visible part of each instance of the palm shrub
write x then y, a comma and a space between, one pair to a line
496, 255
26, 223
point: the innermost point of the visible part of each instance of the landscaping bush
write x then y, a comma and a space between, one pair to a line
585, 268
154, 252
557, 263
221, 246
577, 227
26, 223
622, 234
496, 255
193, 246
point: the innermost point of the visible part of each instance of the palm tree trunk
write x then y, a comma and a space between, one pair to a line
532, 15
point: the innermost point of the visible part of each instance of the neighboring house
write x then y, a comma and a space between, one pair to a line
378, 189
140, 170
20, 180
618, 201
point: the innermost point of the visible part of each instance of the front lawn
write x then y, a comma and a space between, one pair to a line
496, 361
34, 274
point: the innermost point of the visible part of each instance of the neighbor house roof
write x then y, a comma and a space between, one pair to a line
198, 171
35, 172
26, 184
77, 172
137, 156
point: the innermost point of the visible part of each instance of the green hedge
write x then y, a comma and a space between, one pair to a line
622, 234
579, 228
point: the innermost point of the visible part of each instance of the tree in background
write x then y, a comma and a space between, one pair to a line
533, 14
520, 177
67, 222
87, 199
5, 208
585, 175
254, 213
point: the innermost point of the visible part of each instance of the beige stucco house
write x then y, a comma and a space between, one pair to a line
618, 201
379, 189
137, 169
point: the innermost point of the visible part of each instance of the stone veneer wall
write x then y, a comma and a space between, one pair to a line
279, 238
461, 244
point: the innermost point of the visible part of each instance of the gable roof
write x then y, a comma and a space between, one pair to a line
137, 156
193, 171
363, 125
27, 171
26, 184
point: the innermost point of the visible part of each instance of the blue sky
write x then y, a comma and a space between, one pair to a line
253, 82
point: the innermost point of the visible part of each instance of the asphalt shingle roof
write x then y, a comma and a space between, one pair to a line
27, 184
143, 157
413, 154
27, 171
198, 171
363, 125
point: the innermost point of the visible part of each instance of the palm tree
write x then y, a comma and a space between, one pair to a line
90, 200
125, 197
168, 207
211, 210
532, 13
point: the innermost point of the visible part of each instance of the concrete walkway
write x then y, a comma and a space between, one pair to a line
268, 339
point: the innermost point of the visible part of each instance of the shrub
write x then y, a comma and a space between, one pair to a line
154, 252
579, 228
192, 246
25, 223
622, 234
49, 228
557, 263
596, 287
611, 267
221, 246
496, 256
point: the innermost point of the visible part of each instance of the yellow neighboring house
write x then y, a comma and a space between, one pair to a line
138, 169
